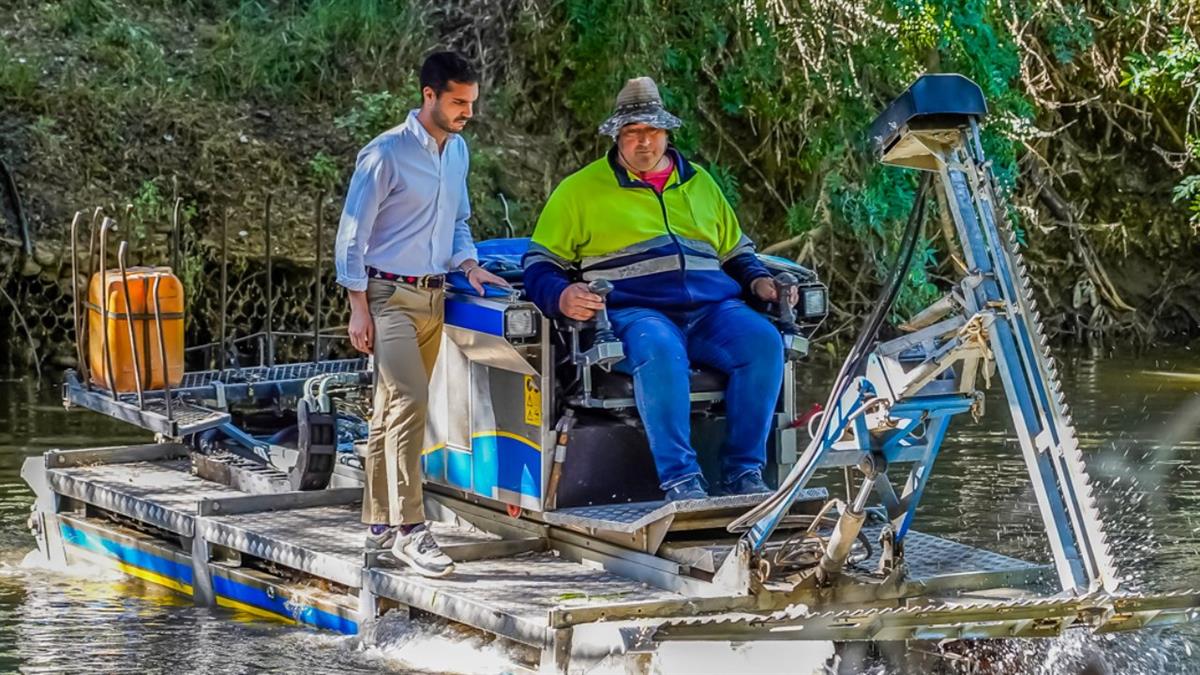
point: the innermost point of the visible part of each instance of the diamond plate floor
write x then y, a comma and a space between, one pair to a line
531, 584
166, 482
929, 557
518, 591
334, 530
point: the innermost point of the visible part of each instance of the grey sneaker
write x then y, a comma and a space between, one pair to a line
419, 551
381, 542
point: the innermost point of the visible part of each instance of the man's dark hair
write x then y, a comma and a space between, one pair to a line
442, 68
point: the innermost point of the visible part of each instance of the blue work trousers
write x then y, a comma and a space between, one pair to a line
728, 337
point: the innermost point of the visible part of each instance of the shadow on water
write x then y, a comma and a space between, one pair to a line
1137, 420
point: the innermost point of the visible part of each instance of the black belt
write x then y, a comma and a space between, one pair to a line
426, 281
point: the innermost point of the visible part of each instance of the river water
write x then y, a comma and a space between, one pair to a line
1137, 418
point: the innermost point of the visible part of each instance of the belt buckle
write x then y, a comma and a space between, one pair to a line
424, 281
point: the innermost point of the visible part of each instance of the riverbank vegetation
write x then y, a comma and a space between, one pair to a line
1094, 128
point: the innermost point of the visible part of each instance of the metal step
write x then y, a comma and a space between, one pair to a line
241, 473
632, 517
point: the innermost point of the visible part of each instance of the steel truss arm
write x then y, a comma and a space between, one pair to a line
920, 380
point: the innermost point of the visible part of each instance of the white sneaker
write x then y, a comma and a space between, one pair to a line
419, 551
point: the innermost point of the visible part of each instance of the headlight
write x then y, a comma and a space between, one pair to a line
814, 302
520, 323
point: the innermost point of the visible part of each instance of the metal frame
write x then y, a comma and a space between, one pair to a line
877, 421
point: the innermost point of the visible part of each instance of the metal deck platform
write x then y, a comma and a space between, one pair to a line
319, 533
298, 557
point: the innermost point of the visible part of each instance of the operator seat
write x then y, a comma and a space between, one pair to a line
615, 386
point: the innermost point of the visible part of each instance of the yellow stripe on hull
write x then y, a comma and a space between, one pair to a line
227, 603
153, 577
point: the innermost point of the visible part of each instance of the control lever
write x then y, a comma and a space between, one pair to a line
606, 349
795, 345
784, 283
604, 331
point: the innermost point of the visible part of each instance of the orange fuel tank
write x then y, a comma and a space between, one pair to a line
107, 290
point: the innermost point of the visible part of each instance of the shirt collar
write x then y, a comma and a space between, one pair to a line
418, 131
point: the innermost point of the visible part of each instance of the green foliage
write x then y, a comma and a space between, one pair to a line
18, 78
324, 171
46, 134
129, 48
496, 200
374, 113
1171, 77
1069, 33
799, 218
313, 50
236, 96
1170, 73
193, 259
146, 212
74, 17
1188, 192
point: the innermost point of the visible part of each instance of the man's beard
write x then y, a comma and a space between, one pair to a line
444, 123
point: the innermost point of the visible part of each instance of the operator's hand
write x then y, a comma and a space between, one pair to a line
577, 302
362, 324
477, 276
764, 288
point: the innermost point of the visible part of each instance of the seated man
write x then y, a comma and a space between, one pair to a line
658, 228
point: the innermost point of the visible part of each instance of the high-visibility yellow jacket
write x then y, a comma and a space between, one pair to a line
672, 251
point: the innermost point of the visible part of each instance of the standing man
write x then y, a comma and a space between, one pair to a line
403, 228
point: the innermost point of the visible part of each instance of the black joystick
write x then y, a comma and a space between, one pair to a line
784, 283
604, 331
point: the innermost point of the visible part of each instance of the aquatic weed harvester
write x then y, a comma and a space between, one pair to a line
540, 482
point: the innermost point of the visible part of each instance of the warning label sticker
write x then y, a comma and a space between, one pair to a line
533, 402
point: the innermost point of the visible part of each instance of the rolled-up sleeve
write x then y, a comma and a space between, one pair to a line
464, 243
372, 181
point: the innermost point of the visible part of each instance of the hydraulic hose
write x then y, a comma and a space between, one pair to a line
852, 365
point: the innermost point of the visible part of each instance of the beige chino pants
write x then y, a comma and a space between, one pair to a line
408, 334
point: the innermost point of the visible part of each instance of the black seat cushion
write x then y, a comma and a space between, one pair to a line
614, 385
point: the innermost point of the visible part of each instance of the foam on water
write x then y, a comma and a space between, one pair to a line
437, 646
761, 658
34, 563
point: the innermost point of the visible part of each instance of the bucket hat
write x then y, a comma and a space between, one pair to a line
639, 102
